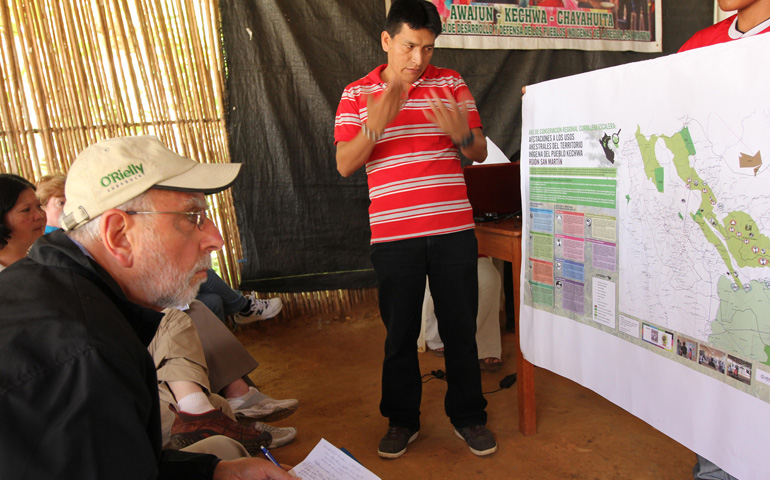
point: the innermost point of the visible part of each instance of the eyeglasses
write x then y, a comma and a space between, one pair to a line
198, 218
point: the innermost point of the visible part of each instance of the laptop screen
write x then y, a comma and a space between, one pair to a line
493, 190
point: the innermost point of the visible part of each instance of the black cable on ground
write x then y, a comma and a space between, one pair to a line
434, 374
506, 382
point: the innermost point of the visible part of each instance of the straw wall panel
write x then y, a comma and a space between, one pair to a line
77, 71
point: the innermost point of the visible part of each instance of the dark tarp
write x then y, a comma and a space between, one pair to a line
304, 227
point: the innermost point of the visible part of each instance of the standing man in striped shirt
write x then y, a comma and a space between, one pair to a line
405, 122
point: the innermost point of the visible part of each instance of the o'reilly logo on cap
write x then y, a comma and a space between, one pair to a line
115, 179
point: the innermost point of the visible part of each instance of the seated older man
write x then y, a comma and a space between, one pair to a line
78, 388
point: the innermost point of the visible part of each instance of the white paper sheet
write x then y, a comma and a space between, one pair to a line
327, 462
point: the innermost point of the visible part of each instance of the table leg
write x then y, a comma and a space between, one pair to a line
525, 371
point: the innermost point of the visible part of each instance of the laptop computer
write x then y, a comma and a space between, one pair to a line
494, 190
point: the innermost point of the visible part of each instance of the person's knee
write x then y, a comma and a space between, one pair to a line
214, 303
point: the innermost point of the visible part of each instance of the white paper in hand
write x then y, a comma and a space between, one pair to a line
327, 462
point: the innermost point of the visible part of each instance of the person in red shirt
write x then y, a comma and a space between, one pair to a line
406, 122
752, 18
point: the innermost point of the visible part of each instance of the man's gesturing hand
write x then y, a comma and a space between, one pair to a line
453, 120
381, 110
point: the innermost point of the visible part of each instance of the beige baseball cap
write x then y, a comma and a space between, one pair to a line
111, 172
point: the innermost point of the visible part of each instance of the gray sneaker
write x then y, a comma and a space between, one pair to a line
479, 439
269, 409
257, 405
281, 435
394, 443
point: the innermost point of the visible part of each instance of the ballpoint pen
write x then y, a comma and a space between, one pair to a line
270, 457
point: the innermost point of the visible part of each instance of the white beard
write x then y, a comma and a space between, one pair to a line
163, 285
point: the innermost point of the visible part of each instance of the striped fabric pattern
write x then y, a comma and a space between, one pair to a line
722, 32
416, 184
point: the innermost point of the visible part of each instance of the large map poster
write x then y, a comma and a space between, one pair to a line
646, 271
531, 24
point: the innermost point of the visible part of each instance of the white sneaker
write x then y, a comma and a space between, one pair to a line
281, 436
259, 310
257, 405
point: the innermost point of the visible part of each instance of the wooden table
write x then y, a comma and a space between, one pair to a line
503, 240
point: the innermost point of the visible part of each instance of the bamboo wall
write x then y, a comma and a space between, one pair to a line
78, 71
327, 301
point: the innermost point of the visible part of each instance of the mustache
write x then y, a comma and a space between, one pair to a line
203, 263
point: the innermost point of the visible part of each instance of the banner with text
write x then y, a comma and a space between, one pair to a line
556, 24
646, 272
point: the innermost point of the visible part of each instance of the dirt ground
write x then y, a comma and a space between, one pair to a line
331, 363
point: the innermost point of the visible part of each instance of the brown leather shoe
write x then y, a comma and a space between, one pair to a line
188, 429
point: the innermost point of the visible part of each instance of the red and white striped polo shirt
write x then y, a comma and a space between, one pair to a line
721, 32
416, 184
